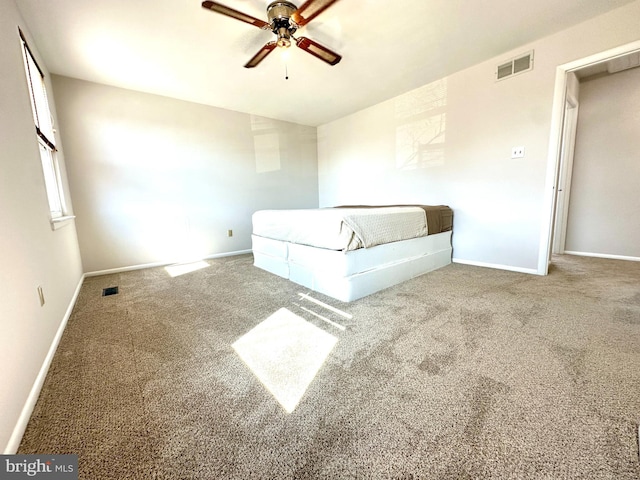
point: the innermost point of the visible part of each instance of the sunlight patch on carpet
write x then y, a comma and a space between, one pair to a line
182, 268
321, 317
306, 296
285, 352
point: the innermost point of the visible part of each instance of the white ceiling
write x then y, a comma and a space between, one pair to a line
178, 49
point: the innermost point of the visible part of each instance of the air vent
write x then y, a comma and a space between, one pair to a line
109, 291
519, 64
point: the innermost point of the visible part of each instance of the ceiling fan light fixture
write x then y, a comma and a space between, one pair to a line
284, 37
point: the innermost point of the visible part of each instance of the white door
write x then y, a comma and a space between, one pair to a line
564, 178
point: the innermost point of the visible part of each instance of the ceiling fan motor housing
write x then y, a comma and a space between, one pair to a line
279, 15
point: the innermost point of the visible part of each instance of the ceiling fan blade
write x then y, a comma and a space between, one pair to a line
310, 10
318, 51
230, 12
258, 57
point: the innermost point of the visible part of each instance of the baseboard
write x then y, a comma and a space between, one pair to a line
27, 410
160, 264
530, 271
602, 255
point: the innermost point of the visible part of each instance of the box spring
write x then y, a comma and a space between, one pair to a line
348, 276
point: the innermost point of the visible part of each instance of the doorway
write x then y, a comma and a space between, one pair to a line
557, 170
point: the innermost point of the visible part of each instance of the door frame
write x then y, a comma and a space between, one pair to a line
555, 144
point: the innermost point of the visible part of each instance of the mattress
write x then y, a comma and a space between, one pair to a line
439, 217
351, 227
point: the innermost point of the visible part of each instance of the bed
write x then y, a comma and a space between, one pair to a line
352, 251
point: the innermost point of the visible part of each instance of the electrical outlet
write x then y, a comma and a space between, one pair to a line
41, 295
517, 152
229, 233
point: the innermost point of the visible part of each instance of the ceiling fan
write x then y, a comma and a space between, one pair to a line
284, 19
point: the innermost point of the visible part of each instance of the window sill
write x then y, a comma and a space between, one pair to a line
60, 222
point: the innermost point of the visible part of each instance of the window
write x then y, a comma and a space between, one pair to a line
45, 133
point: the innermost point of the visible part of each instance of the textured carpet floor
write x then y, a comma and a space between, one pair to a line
462, 373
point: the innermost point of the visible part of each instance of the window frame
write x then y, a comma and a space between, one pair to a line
45, 134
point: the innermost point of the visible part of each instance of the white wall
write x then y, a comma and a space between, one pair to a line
31, 253
464, 126
161, 180
605, 204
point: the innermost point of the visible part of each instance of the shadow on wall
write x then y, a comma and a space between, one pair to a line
421, 124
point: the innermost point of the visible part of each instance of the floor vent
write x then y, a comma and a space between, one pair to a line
519, 64
109, 291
